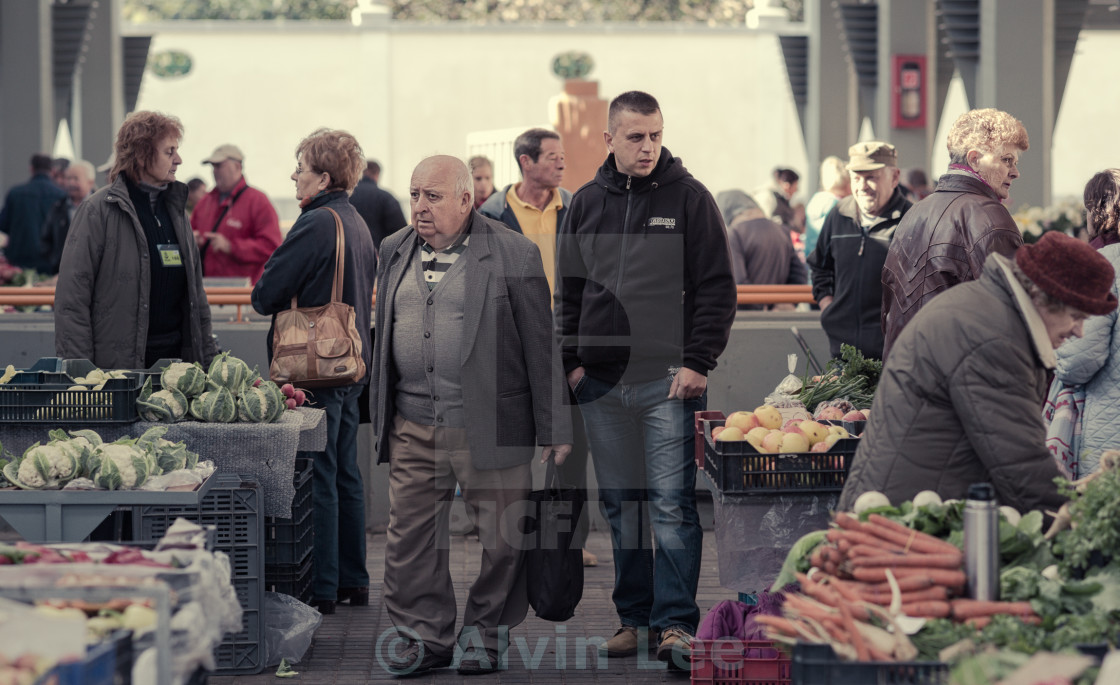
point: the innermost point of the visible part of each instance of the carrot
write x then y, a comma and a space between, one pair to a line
858, 537
979, 622
937, 576
972, 608
817, 557
846, 591
844, 546
817, 591
879, 655
857, 639
862, 550
928, 609
936, 593
833, 535
908, 584
830, 568
952, 561
777, 624
910, 539
848, 522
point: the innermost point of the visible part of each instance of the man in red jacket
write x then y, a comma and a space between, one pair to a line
235, 226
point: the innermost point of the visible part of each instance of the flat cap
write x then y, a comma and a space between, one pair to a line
871, 155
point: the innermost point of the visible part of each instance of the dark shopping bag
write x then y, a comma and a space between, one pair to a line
553, 567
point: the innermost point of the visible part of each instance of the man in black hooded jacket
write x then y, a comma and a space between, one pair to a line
644, 303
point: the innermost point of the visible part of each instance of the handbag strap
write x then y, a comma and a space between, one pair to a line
339, 259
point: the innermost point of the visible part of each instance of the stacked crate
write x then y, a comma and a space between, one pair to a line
289, 542
233, 508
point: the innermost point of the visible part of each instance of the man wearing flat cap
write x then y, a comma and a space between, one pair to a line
235, 226
847, 263
960, 393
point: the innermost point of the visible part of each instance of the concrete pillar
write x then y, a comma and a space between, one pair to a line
375, 54
905, 28
831, 113
26, 88
1017, 37
100, 90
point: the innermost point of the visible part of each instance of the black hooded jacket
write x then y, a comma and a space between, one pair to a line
643, 260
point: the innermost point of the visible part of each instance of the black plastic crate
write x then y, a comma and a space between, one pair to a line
232, 507
819, 665
737, 468
289, 541
46, 397
291, 579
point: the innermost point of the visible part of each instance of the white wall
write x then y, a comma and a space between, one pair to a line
418, 90
408, 91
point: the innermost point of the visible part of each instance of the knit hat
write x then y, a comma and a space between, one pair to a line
1070, 271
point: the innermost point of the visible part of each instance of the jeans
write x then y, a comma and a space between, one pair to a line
642, 447
338, 497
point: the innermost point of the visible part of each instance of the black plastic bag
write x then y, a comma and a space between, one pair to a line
553, 566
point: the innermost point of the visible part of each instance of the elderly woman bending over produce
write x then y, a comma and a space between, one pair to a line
130, 282
960, 395
329, 164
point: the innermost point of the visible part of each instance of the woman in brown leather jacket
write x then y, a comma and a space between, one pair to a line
944, 239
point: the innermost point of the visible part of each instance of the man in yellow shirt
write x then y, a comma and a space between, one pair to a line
535, 207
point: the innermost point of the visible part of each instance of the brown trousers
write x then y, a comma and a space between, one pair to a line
424, 465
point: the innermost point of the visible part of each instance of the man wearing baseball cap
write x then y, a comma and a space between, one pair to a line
847, 263
235, 226
958, 401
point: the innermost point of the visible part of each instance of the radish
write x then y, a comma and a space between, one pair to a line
290, 403
288, 389
300, 397
257, 383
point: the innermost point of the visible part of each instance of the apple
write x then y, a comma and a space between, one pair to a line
768, 417
795, 442
855, 415
717, 430
831, 440
820, 447
730, 434
772, 443
814, 431
756, 435
830, 414
791, 426
839, 430
743, 420
754, 440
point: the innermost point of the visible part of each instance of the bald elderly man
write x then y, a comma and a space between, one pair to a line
466, 383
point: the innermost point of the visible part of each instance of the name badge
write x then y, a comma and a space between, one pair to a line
169, 255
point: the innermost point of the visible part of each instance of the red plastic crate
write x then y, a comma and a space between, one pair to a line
730, 661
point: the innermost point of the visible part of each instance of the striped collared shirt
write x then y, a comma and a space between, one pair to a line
436, 264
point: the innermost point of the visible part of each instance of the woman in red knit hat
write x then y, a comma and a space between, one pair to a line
958, 402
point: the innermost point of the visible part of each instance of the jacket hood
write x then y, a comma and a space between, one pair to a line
668, 170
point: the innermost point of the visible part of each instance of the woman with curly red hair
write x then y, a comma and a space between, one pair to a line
130, 281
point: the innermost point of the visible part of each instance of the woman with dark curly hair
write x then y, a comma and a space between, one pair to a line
130, 281
1102, 208
329, 164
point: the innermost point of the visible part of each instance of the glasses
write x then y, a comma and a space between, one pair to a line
300, 169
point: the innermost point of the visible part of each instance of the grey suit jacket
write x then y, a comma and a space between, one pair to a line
513, 386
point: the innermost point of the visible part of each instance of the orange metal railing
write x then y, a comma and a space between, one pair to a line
239, 296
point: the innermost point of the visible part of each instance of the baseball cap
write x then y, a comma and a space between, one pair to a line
224, 152
871, 155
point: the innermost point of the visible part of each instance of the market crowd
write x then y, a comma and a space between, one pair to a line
531, 322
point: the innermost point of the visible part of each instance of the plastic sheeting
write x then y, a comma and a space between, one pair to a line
754, 534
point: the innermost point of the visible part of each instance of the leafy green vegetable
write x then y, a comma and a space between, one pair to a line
1018, 584
798, 558
1095, 516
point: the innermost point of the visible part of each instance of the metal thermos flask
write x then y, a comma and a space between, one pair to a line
981, 542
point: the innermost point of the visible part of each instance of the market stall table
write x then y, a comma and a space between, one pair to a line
71, 515
265, 452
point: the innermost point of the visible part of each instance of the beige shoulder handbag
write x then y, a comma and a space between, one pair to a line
319, 347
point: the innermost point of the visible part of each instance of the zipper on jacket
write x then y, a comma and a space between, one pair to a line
621, 256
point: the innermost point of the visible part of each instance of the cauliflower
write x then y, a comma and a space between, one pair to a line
48, 466
120, 465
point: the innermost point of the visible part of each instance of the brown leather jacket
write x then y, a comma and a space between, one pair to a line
942, 241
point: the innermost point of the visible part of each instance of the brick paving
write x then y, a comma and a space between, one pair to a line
344, 649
